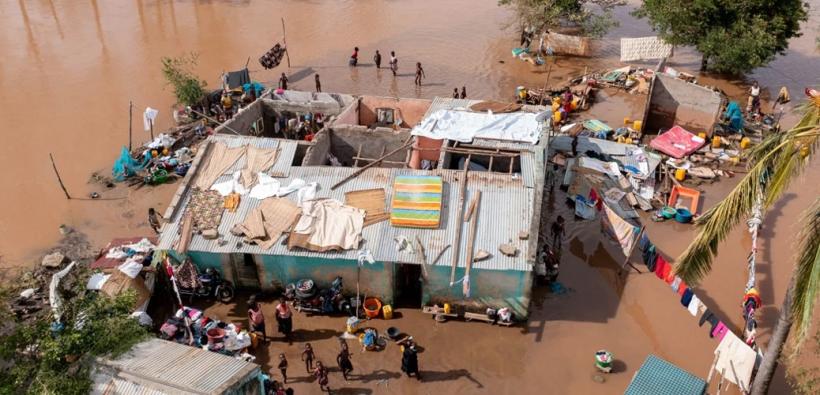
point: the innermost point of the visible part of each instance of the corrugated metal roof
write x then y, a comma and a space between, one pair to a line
506, 209
449, 103
159, 363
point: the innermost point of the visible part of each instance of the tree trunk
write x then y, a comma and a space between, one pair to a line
768, 366
704, 62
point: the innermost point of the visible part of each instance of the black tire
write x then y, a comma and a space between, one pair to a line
225, 293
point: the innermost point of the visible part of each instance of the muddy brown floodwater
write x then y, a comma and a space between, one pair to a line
70, 69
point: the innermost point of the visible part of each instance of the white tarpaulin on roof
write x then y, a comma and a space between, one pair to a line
464, 126
644, 48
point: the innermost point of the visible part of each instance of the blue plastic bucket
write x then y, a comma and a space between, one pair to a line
683, 216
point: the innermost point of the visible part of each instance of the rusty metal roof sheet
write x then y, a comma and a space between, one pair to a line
159, 366
506, 209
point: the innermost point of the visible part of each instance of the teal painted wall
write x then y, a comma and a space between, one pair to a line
495, 288
275, 272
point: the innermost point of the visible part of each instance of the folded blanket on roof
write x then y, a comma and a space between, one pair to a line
266, 223
327, 225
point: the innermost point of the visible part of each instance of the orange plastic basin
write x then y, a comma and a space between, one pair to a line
680, 195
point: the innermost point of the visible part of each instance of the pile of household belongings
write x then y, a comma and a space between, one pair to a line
136, 273
273, 57
208, 333
634, 80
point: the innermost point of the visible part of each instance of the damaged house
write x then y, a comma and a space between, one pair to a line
310, 210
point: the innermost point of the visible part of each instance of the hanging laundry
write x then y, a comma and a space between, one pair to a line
644, 242
709, 317
148, 118
686, 298
736, 359
670, 276
694, 305
676, 284
273, 57
720, 330
661, 267
682, 288
650, 257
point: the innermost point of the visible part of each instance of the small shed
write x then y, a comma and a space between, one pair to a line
158, 366
659, 377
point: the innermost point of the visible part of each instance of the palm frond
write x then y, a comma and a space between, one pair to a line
779, 159
807, 275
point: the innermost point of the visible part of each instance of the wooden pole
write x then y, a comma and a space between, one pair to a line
130, 123
285, 41
60, 180
369, 165
473, 225
216, 122
151, 122
423, 259
459, 221
635, 244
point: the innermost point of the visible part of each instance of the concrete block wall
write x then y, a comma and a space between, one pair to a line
677, 102
316, 154
346, 140
411, 111
242, 121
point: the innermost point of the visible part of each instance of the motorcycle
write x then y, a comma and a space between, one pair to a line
306, 298
211, 285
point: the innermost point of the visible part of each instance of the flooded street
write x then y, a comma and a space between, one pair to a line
70, 69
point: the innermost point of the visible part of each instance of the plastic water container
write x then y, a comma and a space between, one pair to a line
556, 116
637, 125
680, 174
745, 142
387, 312
715, 141
627, 121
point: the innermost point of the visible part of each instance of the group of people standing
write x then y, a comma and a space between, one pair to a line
284, 319
394, 64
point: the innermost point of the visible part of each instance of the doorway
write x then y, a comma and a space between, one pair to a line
245, 274
408, 286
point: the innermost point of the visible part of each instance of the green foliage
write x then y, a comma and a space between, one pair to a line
188, 88
733, 36
59, 363
552, 14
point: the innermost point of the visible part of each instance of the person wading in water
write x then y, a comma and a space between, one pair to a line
394, 63
419, 73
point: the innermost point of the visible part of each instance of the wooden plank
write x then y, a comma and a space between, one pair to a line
457, 244
471, 238
372, 201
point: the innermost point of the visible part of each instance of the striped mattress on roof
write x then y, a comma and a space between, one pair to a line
416, 201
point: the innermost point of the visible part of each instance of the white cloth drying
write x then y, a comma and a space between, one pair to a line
149, 117
225, 188
268, 186
464, 126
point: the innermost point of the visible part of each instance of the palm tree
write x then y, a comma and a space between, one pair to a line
773, 165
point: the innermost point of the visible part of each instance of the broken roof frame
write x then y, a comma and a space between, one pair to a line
512, 203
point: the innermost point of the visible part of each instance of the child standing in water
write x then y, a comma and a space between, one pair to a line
419, 73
